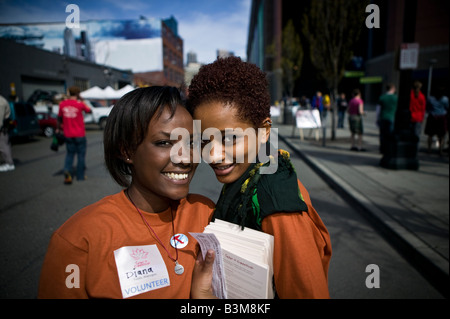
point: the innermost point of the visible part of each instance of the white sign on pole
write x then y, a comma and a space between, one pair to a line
308, 119
409, 56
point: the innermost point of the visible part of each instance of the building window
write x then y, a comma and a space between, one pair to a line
83, 84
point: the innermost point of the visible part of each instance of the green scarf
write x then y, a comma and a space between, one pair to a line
254, 196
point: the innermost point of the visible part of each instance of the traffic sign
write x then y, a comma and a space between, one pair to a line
409, 56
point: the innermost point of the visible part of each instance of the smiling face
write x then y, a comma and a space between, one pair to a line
228, 163
154, 175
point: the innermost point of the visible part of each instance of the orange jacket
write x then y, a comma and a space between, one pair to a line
302, 252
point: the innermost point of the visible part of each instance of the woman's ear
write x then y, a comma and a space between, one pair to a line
266, 125
126, 157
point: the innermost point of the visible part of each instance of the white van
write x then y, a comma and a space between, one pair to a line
98, 116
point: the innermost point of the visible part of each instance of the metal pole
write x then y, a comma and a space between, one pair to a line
430, 72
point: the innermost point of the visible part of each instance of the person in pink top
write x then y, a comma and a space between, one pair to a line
70, 117
356, 111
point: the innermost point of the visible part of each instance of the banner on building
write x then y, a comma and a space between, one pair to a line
123, 44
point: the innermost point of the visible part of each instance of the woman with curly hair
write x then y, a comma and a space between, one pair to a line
232, 94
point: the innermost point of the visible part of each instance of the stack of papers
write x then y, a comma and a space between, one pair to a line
243, 268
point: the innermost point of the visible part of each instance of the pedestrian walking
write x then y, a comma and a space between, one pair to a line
70, 116
326, 105
136, 243
436, 125
317, 102
305, 104
230, 93
417, 107
388, 108
342, 105
6, 160
355, 113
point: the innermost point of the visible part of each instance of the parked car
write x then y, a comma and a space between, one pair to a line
25, 120
48, 122
98, 116
99, 113
42, 96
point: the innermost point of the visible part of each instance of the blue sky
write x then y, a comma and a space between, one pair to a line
204, 25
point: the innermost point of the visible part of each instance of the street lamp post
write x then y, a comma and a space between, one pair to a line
401, 152
430, 73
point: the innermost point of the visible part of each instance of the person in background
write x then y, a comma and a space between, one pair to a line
70, 115
6, 160
417, 107
356, 111
436, 125
326, 105
388, 107
317, 102
342, 109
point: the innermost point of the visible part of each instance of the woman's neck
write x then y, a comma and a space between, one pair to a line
146, 201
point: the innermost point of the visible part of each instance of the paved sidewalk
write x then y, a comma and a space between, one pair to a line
410, 207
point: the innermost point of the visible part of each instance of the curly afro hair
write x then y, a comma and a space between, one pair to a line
232, 82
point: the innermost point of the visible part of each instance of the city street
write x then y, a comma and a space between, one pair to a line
34, 202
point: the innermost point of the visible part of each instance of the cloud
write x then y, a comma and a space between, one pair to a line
25, 11
131, 6
205, 33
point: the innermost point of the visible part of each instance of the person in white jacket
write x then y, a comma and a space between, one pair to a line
6, 160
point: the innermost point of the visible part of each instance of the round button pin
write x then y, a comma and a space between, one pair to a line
179, 241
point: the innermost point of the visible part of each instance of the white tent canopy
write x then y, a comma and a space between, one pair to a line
107, 93
110, 93
126, 89
92, 93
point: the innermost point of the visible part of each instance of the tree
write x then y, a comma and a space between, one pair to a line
332, 28
291, 57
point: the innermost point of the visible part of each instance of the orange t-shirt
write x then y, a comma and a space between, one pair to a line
302, 252
90, 245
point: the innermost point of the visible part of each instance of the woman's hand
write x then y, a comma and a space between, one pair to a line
202, 277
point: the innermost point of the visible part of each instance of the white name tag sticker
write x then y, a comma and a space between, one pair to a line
141, 269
